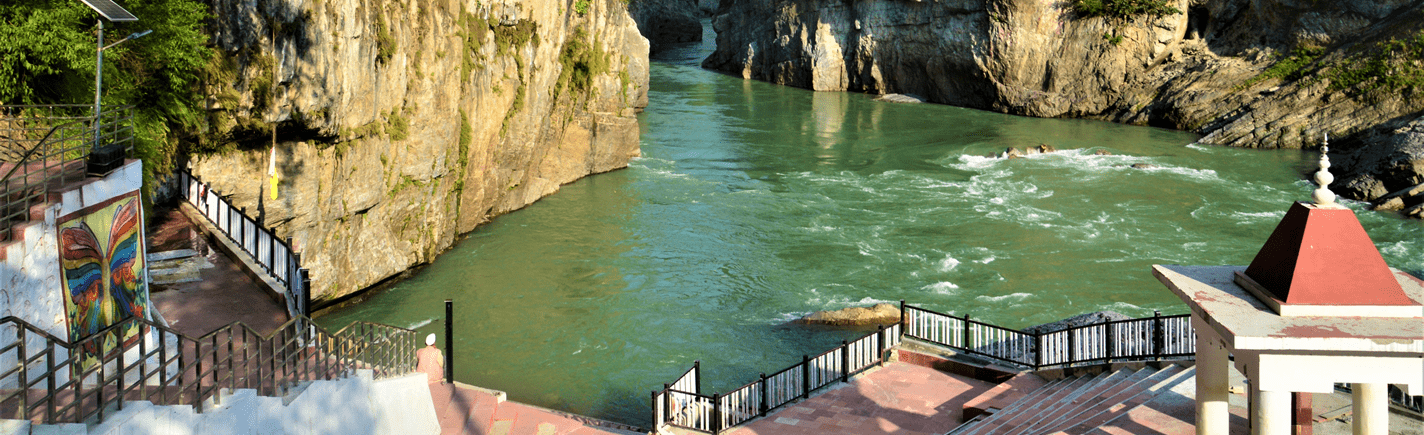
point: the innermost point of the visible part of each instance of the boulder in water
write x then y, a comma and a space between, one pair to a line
1102, 153
900, 98
1143, 166
1012, 153
880, 314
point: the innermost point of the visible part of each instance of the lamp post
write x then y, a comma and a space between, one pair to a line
99, 74
111, 11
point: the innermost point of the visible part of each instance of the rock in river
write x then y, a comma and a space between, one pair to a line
880, 314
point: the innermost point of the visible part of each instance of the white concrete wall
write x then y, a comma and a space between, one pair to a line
30, 285
355, 406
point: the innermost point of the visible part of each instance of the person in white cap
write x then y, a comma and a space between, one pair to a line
430, 360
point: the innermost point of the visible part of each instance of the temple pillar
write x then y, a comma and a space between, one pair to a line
1371, 409
1213, 381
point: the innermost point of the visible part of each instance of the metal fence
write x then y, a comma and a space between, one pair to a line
682, 403
48, 380
1121, 340
43, 148
274, 255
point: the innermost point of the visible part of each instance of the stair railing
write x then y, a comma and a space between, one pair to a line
45, 146
48, 380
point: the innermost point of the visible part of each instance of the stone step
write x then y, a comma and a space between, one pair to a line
1144, 384
1172, 377
1003, 394
1053, 391
1047, 410
1103, 398
1089, 394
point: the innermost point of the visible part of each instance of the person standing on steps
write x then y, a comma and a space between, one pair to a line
430, 360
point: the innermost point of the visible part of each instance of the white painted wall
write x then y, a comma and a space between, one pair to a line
30, 287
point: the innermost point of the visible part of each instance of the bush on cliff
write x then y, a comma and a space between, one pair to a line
1123, 9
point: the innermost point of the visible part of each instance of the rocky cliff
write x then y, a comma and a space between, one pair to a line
401, 124
1248, 73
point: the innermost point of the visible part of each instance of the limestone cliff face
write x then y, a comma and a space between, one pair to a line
1250, 73
404, 123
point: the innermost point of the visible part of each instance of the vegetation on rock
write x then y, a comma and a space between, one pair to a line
1123, 9
1393, 65
1290, 68
581, 59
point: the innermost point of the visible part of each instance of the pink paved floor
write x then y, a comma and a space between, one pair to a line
898, 398
474, 412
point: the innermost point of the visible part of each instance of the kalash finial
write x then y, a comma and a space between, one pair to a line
1323, 196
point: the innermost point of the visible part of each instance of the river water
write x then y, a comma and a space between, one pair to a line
754, 204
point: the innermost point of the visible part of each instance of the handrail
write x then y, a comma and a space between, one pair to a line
63, 138
276, 256
678, 405
52, 380
1120, 340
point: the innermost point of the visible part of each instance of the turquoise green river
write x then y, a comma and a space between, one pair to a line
754, 204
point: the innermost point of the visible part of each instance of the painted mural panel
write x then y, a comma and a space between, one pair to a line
101, 256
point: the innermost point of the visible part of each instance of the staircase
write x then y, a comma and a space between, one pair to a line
1088, 404
355, 405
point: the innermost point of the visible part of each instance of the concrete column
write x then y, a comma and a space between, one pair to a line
1213, 381
1272, 411
1371, 409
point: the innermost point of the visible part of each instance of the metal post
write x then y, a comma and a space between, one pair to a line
24, 385
667, 404
1158, 335
98, 83
805, 377
716, 413
449, 346
1072, 344
764, 407
966, 332
697, 375
653, 405
306, 292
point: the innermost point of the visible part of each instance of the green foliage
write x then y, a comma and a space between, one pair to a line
508, 38
1123, 9
1112, 39
1290, 68
385, 43
47, 57
581, 6
581, 59
397, 126
1394, 65
474, 31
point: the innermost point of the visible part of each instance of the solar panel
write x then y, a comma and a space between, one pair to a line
110, 10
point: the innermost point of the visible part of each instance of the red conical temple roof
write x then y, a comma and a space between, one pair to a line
1320, 255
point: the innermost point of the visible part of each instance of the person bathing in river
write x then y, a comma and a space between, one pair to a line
430, 360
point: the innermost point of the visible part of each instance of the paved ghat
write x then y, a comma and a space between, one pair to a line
899, 398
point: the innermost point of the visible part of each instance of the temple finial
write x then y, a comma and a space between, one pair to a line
1323, 196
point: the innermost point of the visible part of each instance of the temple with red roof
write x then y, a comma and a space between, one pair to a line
1317, 306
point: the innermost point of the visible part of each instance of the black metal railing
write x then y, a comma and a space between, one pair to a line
682, 403
1116, 341
46, 147
274, 255
48, 380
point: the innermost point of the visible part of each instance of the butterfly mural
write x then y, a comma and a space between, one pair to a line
102, 262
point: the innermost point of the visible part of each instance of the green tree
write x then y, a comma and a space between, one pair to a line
47, 50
